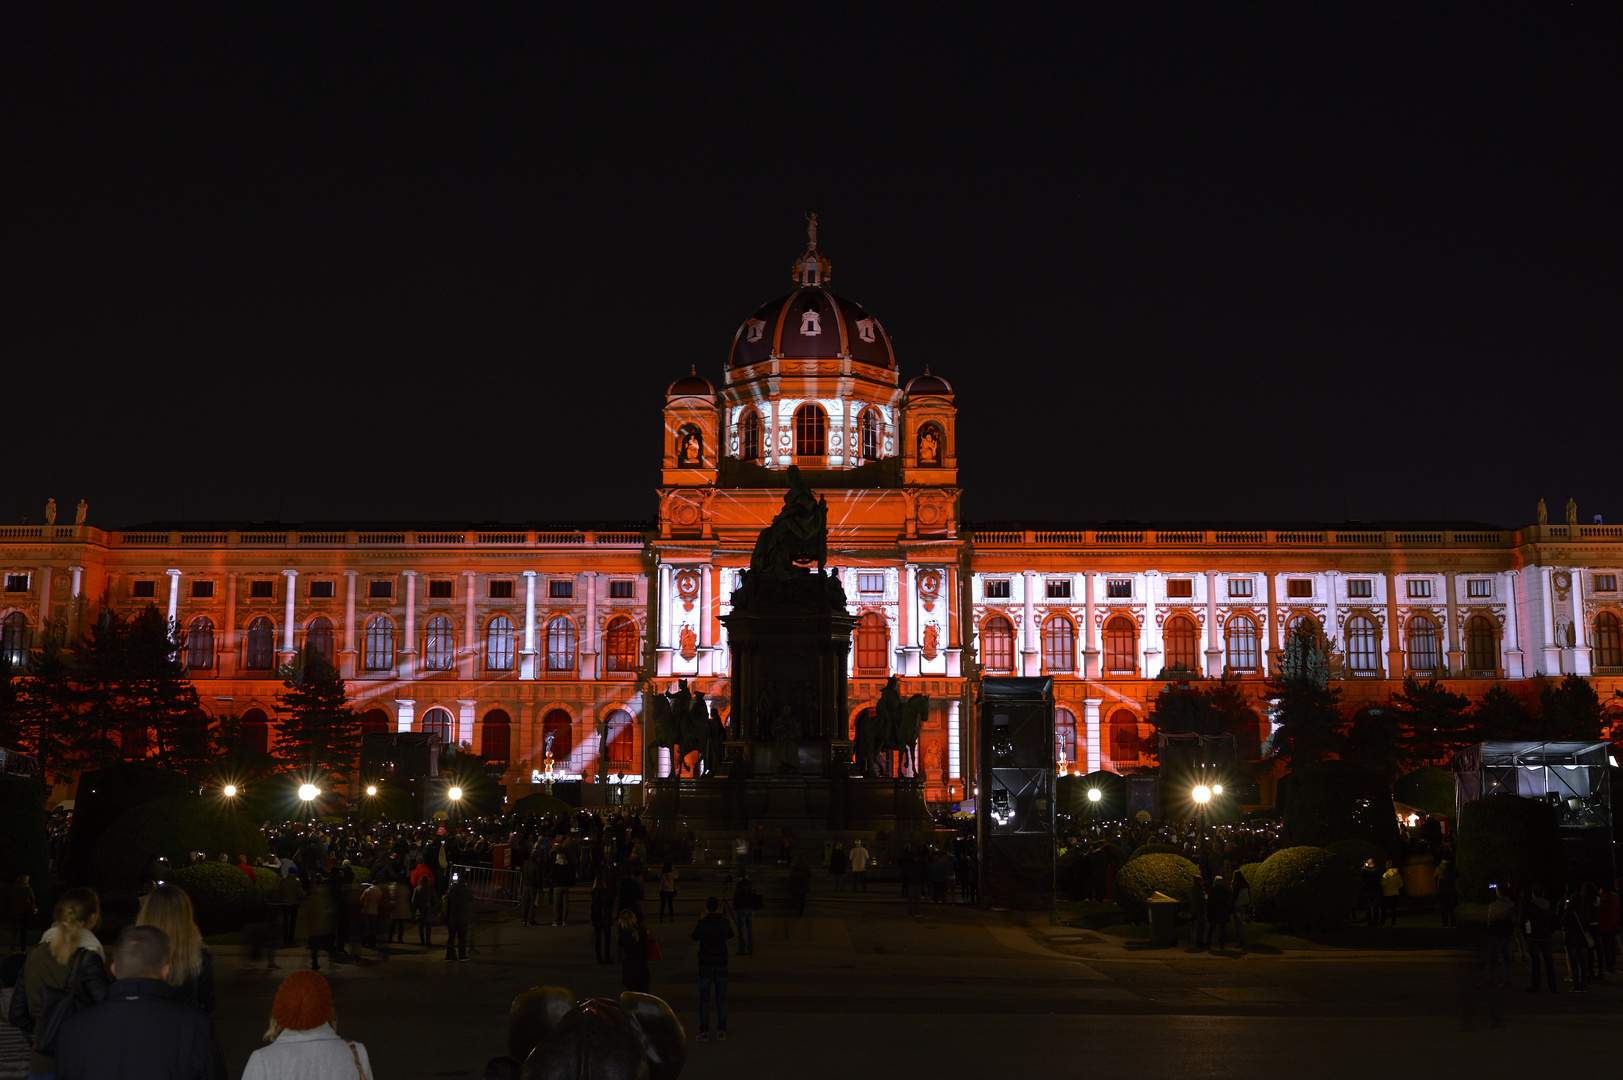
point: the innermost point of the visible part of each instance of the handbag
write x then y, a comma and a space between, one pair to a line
653, 948
56, 1005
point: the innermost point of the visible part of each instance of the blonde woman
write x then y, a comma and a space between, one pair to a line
191, 971
304, 1042
68, 958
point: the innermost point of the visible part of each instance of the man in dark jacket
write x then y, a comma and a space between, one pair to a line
138, 1033
529, 881
712, 932
458, 902
1219, 908
1541, 922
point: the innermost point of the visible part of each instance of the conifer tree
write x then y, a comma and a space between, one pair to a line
320, 733
1437, 721
1305, 706
153, 690
1570, 710
1502, 717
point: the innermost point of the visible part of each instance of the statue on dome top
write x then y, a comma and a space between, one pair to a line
811, 231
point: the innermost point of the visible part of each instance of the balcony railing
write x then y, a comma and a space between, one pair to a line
1260, 538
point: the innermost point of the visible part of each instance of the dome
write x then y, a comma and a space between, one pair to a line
928, 384
811, 323
691, 385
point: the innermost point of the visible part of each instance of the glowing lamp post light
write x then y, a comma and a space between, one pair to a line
309, 792
1094, 795
1202, 794
372, 790
1217, 789
229, 791
455, 793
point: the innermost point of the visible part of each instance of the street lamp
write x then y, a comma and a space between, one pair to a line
455, 793
1202, 794
1217, 789
229, 791
371, 789
1094, 795
309, 792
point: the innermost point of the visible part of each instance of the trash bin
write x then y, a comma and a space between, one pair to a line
1163, 920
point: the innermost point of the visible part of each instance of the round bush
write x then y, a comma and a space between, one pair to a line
1155, 848
1355, 853
172, 828
1173, 875
1305, 886
1506, 838
223, 898
1252, 872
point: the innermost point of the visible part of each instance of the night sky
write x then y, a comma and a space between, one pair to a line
433, 262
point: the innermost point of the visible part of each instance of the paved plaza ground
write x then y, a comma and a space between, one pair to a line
855, 988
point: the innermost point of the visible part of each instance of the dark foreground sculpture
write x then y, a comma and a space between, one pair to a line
634, 1037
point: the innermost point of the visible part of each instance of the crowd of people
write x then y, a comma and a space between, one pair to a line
1522, 922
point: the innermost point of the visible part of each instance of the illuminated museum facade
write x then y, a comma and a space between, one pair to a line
501, 636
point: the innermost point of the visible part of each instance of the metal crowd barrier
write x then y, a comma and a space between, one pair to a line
488, 884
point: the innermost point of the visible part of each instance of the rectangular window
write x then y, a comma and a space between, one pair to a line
1602, 583
1180, 587
1299, 587
563, 589
622, 589
202, 590
1059, 590
380, 590
871, 583
1419, 590
143, 588
1240, 586
997, 590
16, 583
1120, 589
321, 590
261, 590
1360, 588
439, 589
501, 589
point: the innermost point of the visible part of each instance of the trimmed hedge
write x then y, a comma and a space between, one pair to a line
223, 898
1304, 886
105, 795
1337, 800
23, 849
1173, 875
1155, 848
1357, 852
172, 828
1253, 873
1508, 838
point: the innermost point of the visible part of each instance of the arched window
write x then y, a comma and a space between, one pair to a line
14, 639
496, 736
1481, 645
558, 724
561, 644
620, 644
749, 436
200, 643
499, 644
873, 644
1183, 644
255, 732
997, 644
1124, 741
869, 431
622, 742
1059, 644
1422, 642
1307, 621
319, 637
380, 644
1240, 634
811, 431
438, 722
259, 645
374, 722
1065, 737
1121, 645
1363, 644
439, 645
1608, 641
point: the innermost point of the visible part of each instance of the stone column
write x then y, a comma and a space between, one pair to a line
588, 640
1451, 625
662, 657
1152, 632
75, 598
526, 664
1394, 638
954, 734
1330, 608
76, 581
174, 596
1552, 647
45, 597
407, 714
1273, 623
1031, 653
1090, 721
226, 651
707, 592
955, 648
1090, 650
1514, 614
1214, 647
290, 586
1580, 631
469, 663
464, 721
346, 657
408, 654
